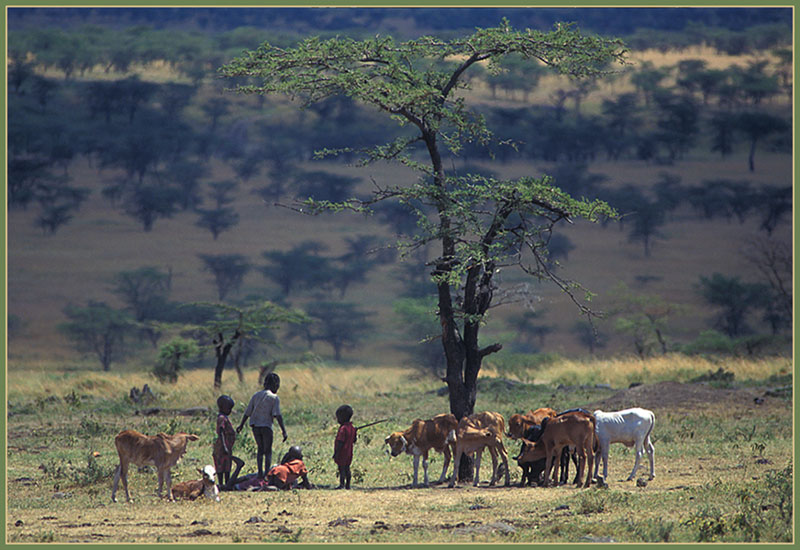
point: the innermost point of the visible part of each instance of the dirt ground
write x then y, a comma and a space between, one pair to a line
675, 396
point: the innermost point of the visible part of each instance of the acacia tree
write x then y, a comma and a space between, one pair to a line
480, 223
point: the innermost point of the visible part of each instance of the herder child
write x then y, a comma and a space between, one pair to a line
343, 445
223, 445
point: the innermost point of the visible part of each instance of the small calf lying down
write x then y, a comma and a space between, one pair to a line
518, 424
162, 451
437, 433
631, 427
570, 430
476, 432
204, 487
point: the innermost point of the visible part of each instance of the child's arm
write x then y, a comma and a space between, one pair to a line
279, 418
337, 447
244, 419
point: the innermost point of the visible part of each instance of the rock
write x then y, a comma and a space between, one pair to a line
255, 519
641, 482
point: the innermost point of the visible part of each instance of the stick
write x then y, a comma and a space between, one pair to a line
373, 423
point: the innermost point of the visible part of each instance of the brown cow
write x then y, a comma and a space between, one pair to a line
519, 423
476, 432
438, 433
162, 451
569, 430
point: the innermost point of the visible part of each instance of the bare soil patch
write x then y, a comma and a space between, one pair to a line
677, 395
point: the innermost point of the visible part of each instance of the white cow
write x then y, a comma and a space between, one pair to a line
632, 427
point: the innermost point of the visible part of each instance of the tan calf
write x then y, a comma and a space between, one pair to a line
437, 433
476, 432
162, 451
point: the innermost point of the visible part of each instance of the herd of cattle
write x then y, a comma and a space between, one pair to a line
549, 440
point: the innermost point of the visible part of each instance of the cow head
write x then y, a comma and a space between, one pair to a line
397, 443
209, 474
530, 452
516, 425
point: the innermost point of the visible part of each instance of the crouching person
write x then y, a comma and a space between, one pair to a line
285, 474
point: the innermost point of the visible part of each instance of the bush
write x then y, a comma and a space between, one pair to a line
171, 358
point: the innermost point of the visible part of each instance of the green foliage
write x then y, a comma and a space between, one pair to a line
171, 358
98, 328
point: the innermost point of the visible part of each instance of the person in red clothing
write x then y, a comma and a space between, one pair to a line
286, 473
343, 446
223, 445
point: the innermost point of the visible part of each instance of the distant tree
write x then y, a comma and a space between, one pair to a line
171, 358
756, 126
753, 82
341, 325
175, 98
735, 300
144, 290
99, 329
773, 203
420, 332
217, 220
184, 175
677, 121
527, 327
648, 217
232, 325
19, 71
323, 186
150, 202
647, 80
228, 271
215, 108
772, 258
221, 192
589, 335
622, 122
669, 192
645, 318
723, 126
299, 268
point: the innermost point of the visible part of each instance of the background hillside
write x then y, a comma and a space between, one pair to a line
126, 153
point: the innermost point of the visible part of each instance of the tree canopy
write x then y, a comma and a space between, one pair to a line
480, 222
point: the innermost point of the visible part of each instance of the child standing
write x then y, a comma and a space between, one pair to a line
223, 445
343, 446
262, 408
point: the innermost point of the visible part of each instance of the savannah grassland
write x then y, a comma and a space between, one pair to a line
723, 461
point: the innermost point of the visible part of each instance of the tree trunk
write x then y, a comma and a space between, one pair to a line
222, 350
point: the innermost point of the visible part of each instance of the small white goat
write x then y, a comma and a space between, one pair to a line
631, 427
207, 486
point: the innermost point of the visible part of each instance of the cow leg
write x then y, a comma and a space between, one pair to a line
425, 468
478, 455
456, 464
588, 451
168, 477
495, 477
446, 453
564, 463
548, 465
120, 473
639, 453
581, 463
416, 470
504, 458
651, 456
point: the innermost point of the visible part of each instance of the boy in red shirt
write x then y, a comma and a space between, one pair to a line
343, 446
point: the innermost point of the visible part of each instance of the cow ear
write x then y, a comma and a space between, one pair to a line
192, 437
200, 471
